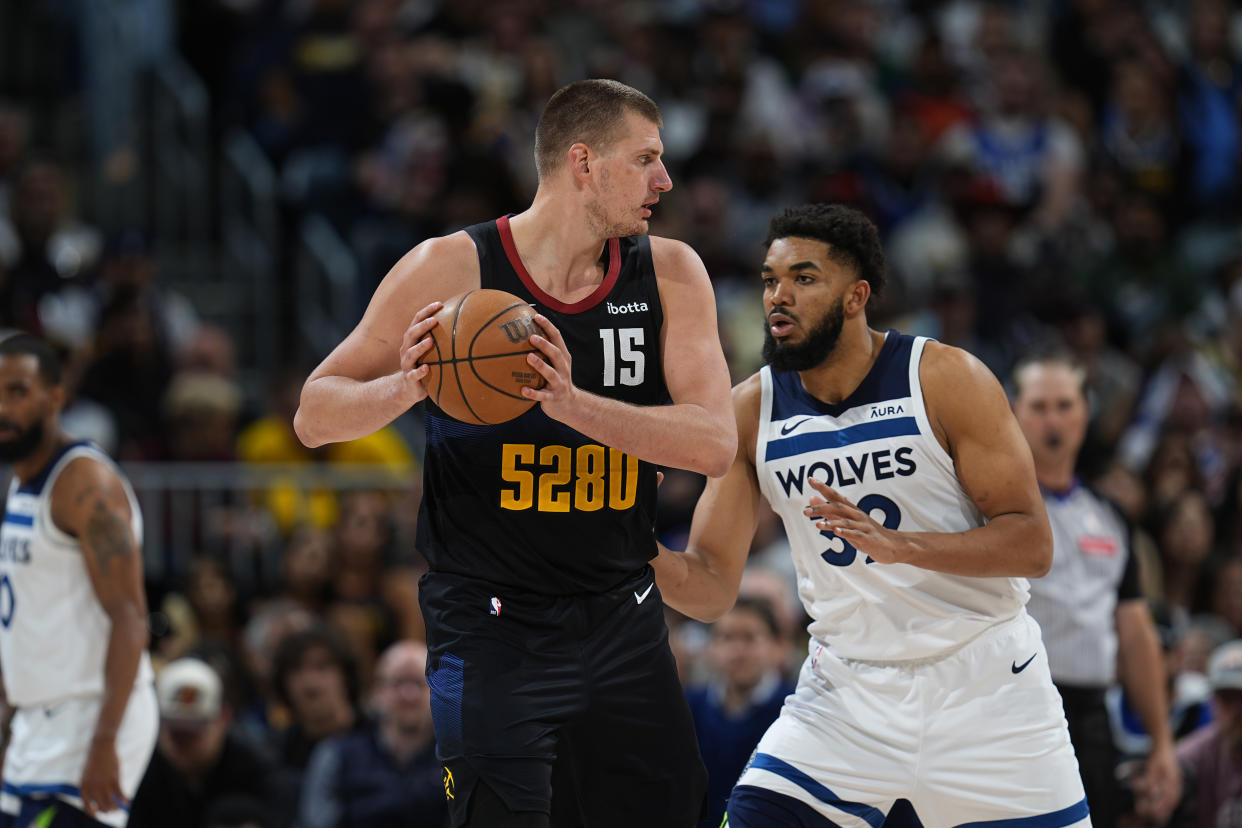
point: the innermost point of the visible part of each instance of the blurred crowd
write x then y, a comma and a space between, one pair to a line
1067, 169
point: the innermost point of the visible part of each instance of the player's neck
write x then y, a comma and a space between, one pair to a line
559, 248
35, 462
834, 379
1058, 478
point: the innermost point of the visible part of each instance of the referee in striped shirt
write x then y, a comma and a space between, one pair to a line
1089, 606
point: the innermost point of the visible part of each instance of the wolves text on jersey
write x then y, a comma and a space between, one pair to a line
15, 549
850, 469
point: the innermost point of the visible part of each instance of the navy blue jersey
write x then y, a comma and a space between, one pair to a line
532, 503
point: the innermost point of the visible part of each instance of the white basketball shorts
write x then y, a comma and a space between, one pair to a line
978, 736
48, 748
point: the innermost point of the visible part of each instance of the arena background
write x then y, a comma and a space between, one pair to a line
197, 199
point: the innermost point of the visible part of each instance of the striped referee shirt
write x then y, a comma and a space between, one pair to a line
1092, 570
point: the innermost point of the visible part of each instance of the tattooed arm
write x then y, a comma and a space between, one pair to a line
89, 503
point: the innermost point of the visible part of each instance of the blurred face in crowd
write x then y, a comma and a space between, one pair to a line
1227, 707
210, 590
401, 693
41, 201
364, 527
194, 747
742, 649
1227, 593
316, 687
631, 177
1187, 536
308, 562
27, 403
804, 298
1052, 411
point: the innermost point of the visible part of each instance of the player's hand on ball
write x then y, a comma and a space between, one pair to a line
833, 512
555, 366
414, 346
100, 787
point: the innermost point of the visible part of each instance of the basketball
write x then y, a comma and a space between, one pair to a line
478, 360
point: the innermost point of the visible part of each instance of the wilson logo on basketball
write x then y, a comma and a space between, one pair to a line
519, 330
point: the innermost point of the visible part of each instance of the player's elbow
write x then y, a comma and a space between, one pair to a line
718, 461
712, 609
306, 434
1039, 557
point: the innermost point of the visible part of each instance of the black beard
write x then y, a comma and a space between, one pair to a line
819, 343
24, 444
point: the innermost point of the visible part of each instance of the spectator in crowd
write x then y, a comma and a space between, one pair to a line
383, 775
53, 247
199, 759
1212, 756
314, 673
744, 695
270, 439
1184, 534
1189, 695
239, 811
1089, 605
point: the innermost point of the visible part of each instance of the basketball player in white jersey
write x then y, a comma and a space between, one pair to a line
73, 616
909, 499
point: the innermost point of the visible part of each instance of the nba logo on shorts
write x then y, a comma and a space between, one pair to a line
495, 606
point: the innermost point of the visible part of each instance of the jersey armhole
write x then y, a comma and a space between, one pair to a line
920, 407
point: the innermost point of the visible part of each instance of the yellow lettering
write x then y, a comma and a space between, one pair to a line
522, 495
560, 458
591, 490
622, 480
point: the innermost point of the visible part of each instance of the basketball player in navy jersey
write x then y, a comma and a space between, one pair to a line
549, 662
909, 499
73, 619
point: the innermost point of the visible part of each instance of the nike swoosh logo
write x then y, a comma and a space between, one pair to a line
1016, 669
788, 427
646, 592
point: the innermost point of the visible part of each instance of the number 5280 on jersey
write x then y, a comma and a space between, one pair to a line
563, 479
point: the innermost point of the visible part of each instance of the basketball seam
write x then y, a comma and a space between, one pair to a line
471, 357
456, 372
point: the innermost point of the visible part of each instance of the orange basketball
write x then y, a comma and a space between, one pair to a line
478, 362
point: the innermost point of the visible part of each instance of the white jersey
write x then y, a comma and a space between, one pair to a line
878, 450
53, 631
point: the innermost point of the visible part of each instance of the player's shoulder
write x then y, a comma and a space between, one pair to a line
441, 251
435, 268
673, 258
85, 473
952, 370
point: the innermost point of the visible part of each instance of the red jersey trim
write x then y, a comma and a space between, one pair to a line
597, 296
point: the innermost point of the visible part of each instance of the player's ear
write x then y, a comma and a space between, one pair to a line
857, 296
57, 396
579, 160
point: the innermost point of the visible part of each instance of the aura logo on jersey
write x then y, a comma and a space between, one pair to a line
849, 470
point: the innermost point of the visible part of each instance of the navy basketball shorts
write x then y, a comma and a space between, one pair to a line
577, 695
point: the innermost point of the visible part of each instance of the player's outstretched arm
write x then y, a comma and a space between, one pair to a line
373, 376
970, 415
702, 582
697, 432
89, 502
